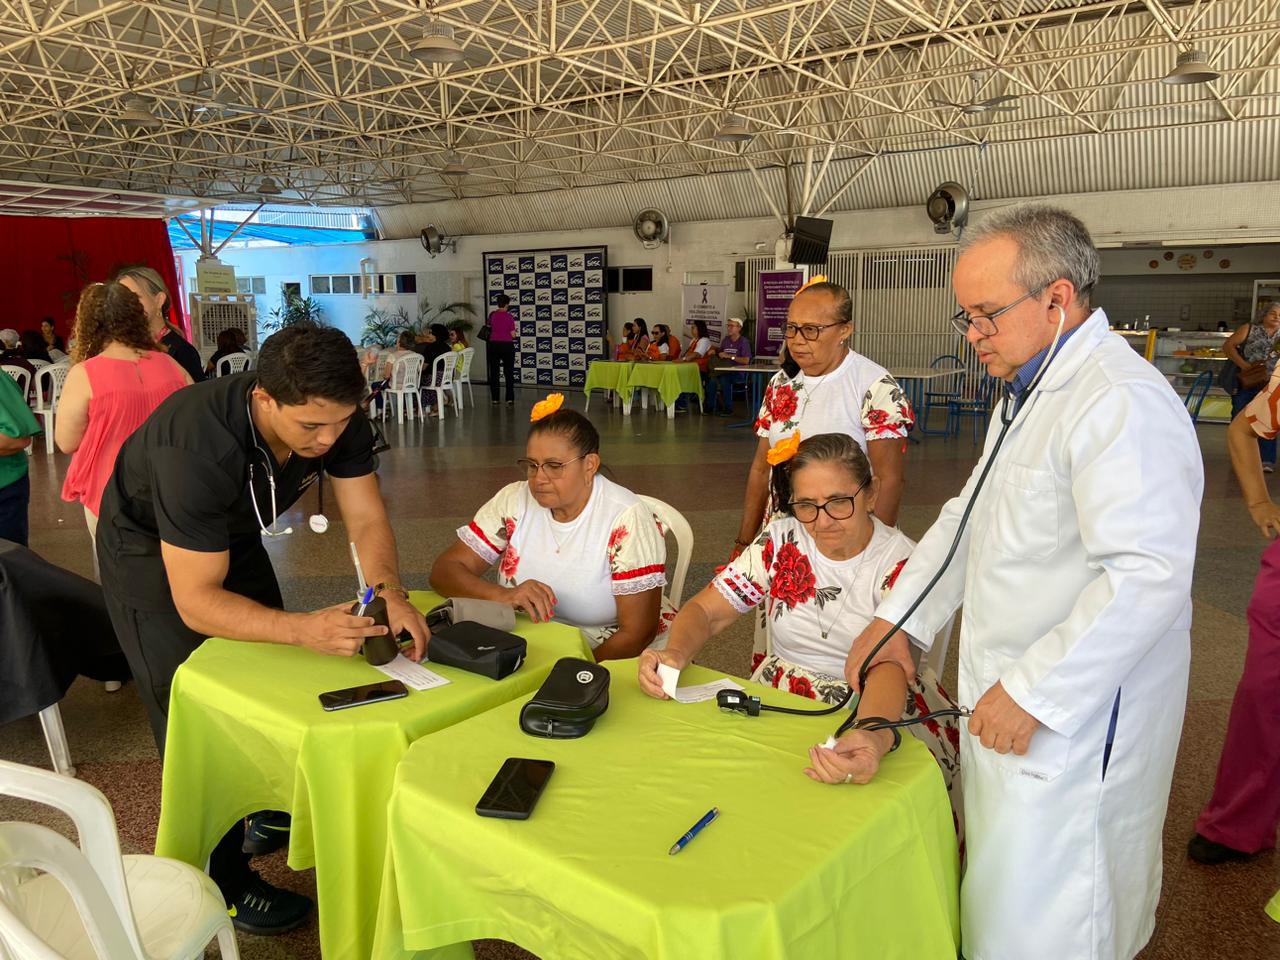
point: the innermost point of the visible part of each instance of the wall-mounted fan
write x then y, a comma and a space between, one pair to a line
652, 228
434, 242
948, 207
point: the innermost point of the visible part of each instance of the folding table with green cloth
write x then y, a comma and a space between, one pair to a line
791, 868
247, 733
607, 375
669, 378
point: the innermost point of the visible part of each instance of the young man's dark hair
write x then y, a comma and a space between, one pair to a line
305, 361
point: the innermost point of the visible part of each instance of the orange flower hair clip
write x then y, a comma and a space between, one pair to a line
813, 281
783, 450
544, 408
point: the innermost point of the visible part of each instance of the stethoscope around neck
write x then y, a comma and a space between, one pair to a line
318, 522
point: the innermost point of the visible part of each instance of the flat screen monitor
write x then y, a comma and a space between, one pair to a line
810, 240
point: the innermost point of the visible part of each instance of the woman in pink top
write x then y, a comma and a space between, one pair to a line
118, 377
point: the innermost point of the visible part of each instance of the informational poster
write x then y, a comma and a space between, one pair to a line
215, 277
708, 302
776, 290
559, 300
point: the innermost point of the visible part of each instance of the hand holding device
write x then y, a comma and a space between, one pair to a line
514, 791
854, 758
359, 696
404, 619
1000, 724
334, 630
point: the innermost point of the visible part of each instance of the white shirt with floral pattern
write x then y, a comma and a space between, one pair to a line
858, 398
804, 593
615, 547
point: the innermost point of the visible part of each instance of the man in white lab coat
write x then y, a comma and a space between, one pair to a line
1075, 575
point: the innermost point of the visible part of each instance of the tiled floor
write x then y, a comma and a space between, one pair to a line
439, 473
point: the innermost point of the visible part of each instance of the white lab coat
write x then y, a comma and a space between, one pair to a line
1075, 575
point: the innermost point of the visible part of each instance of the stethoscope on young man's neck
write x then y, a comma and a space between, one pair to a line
318, 522
737, 701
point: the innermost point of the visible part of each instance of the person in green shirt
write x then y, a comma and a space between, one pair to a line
17, 426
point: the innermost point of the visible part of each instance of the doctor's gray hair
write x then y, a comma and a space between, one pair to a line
1052, 245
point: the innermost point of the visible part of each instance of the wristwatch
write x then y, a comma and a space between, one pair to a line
380, 588
879, 723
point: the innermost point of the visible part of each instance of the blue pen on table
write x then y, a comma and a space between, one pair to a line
694, 831
365, 601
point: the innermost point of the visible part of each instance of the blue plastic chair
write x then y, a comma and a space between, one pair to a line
940, 397
974, 403
1196, 393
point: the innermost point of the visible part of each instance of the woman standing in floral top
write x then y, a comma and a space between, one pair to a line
570, 545
818, 571
836, 391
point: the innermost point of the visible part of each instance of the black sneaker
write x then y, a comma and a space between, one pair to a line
1211, 854
266, 910
266, 832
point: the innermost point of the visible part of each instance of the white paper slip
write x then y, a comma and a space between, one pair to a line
413, 675
669, 676
704, 691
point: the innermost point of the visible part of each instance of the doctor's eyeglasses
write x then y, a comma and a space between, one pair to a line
986, 325
553, 469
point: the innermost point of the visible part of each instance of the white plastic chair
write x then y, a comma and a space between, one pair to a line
443, 368
232, 363
55, 737
462, 374
49, 378
92, 903
37, 365
406, 378
678, 526
20, 377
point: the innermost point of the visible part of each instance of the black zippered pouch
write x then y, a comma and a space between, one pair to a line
570, 700
478, 649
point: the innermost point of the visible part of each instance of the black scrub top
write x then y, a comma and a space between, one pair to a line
187, 356
183, 478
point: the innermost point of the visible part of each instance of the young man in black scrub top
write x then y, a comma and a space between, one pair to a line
194, 492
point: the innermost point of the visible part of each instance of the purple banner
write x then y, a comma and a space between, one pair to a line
777, 288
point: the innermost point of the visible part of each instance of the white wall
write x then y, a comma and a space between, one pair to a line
1235, 213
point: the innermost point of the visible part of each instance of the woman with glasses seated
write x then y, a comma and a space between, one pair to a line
818, 571
569, 543
835, 391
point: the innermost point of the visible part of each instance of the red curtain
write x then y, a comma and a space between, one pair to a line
46, 261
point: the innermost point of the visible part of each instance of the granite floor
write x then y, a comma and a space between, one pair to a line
438, 473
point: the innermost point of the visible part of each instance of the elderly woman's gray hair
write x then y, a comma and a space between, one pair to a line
1265, 307
1052, 245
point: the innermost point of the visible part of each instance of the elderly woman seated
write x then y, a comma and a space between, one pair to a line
819, 570
569, 544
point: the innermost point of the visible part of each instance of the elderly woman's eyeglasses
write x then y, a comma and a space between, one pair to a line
809, 331
837, 508
553, 469
986, 325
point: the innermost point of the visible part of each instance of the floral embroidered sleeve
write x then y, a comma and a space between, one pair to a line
637, 552
744, 581
765, 417
886, 412
490, 532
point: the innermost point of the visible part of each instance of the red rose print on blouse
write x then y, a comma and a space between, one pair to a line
767, 558
756, 660
510, 561
892, 577
877, 418
616, 538
783, 405
793, 582
802, 686
508, 528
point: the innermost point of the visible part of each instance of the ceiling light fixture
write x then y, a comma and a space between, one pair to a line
733, 129
437, 45
269, 188
137, 113
1193, 67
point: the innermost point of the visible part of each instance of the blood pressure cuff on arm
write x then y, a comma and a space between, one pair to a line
571, 699
500, 616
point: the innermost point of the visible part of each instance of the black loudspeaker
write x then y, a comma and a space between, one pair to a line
740, 277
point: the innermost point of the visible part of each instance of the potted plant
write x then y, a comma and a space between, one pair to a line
381, 329
293, 310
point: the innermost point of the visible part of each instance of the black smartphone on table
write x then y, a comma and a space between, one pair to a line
516, 788
359, 696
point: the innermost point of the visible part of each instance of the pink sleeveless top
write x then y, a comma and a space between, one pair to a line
125, 392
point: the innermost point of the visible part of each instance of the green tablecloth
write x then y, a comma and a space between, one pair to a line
669, 378
792, 868
247, 733
607, 375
